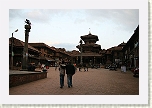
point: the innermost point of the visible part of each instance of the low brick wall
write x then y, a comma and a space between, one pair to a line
18, 79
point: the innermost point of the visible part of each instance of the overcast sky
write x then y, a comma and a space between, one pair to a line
63, 27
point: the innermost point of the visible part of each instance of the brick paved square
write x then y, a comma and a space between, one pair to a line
93, 82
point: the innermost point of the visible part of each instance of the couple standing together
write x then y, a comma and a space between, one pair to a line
69, 69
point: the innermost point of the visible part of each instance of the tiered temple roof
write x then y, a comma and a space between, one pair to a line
90, 44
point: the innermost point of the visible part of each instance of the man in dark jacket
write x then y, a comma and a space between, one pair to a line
70, 71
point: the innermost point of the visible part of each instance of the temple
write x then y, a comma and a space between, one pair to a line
89, 50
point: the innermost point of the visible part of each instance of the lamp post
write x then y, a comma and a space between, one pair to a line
81, 51
12, 53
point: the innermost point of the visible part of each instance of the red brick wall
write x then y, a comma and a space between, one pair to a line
18, 79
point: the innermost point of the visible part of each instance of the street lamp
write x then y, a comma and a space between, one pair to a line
12, 49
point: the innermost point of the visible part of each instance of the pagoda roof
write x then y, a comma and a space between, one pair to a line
90, 36
94, 45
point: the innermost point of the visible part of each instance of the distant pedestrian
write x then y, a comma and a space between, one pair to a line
39, 64
44, 69
70, 71
17, 64
55, 66
80, 67
75, 66
84, 66
62, 68
87, 67
20, 64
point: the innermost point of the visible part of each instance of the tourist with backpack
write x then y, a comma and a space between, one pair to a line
70, 71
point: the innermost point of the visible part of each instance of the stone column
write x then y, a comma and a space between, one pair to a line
81, 62
25, 51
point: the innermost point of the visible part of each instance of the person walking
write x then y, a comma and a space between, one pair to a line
87, 67
55, 66
62, 68
84, 66
70, 71
39, 64
80, 66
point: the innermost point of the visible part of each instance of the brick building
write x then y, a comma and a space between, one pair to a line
37, 52
18, 46
131, 50
113, 55
50, 55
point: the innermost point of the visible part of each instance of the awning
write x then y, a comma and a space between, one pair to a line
46, 58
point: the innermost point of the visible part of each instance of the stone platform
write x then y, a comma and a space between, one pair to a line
17, 77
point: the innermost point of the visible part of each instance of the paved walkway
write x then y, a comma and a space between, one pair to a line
93, 82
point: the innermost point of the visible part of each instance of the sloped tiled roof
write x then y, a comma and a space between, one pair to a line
122, 44
41, 45
116, 48
19, 43
52, 48
108, 52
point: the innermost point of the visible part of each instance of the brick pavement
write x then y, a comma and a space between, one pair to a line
94, 82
